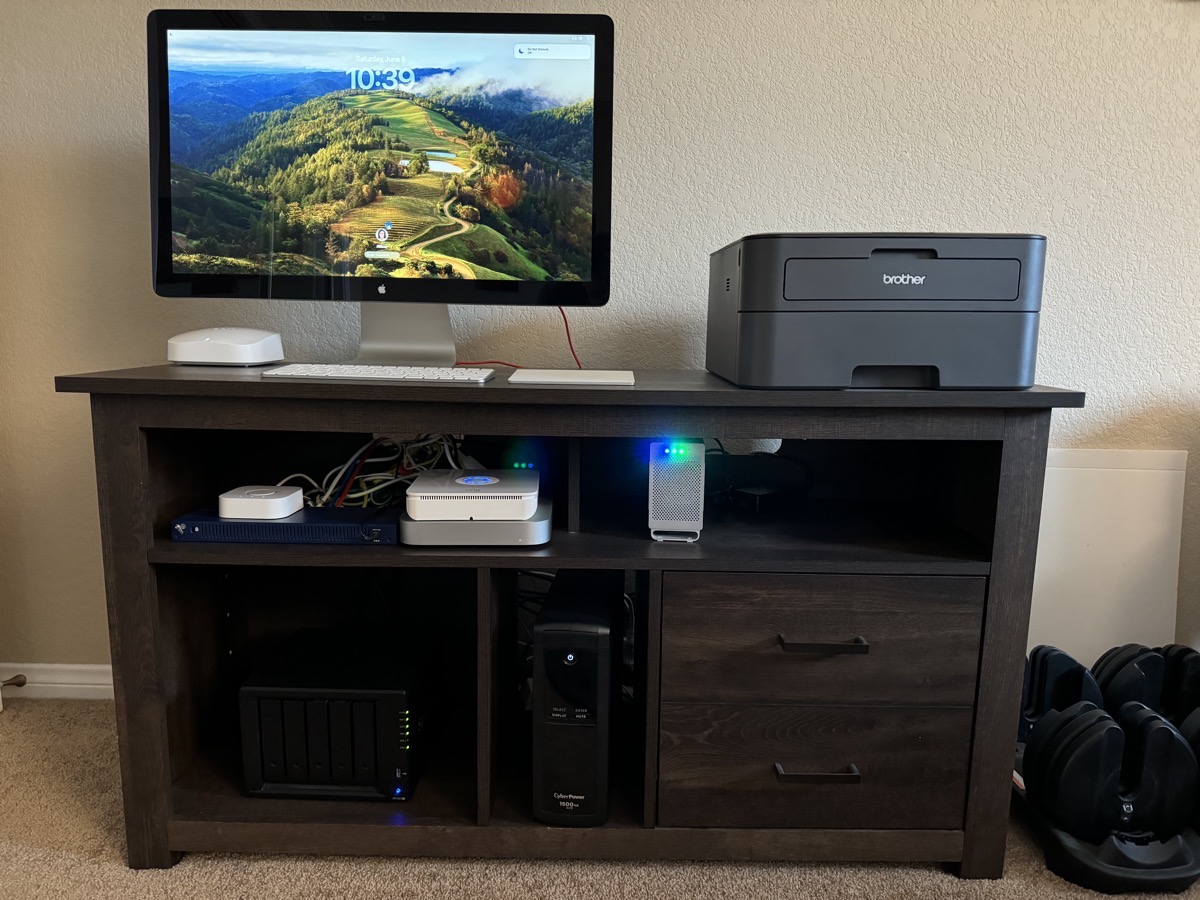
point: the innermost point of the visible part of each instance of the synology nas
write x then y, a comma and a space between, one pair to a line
574, 676
332, 717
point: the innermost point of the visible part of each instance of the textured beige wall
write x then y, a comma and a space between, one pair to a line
1072, 118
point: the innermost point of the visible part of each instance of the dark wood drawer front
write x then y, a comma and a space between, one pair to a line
721, 638
718, 766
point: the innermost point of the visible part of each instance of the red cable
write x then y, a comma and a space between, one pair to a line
362, 459
499, 362
570, 343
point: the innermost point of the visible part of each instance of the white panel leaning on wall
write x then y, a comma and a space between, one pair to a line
1108, 553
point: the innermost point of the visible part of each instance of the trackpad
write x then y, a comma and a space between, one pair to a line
571, 376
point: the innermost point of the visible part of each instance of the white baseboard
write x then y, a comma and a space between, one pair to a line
59, 682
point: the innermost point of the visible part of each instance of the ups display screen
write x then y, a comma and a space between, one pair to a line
313, 152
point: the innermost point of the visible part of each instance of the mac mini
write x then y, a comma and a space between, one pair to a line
531, 532
467, 495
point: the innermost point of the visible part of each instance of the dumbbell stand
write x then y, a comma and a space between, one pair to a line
1117, 864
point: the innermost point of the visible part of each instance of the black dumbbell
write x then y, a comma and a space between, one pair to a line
1132, 672
1181, 682
1092, 774
1053, 680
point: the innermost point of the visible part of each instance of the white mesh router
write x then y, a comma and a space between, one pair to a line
676, 490
464, 495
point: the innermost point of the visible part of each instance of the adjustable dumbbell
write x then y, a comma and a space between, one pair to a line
1053, 680
1092, 773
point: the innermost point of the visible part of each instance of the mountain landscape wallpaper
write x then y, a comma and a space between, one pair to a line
448, 156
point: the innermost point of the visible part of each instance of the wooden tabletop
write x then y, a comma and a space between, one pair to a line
677, 387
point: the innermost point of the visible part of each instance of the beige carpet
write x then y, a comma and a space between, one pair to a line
61, 836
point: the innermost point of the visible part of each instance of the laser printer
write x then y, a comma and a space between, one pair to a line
876, 310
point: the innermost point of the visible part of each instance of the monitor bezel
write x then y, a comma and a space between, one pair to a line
168, 283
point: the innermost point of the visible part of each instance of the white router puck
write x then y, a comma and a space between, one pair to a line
260, 501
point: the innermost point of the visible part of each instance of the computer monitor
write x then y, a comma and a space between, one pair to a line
410, 159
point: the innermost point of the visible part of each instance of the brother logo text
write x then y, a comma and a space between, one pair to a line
903, 279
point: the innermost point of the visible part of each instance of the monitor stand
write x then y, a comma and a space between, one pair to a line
406, 334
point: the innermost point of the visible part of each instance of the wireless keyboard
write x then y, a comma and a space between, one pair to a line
363, 372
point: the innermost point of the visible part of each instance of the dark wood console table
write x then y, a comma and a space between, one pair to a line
916, 531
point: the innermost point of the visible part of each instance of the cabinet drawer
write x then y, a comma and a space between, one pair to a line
717, 766
722, 638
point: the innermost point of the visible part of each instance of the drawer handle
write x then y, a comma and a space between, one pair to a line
858, 645
852, 775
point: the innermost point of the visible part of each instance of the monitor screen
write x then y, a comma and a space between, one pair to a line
383, 156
